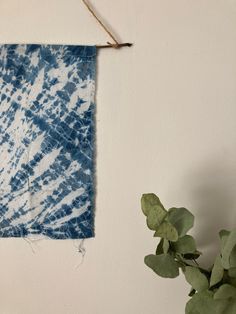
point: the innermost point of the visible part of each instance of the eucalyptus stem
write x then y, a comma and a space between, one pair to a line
181, 259
213, 290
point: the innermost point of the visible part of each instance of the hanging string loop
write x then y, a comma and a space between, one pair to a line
116, 44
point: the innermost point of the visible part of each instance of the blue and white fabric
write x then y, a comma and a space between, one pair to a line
47, 141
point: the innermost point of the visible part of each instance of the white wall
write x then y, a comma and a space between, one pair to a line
166, 123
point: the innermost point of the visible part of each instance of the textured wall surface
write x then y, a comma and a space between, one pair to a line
165, 123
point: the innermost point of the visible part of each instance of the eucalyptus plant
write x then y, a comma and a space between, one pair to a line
213, 290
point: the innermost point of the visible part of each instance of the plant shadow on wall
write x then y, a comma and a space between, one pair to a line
213, 287
212, 190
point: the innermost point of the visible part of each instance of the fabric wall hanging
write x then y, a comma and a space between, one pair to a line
47, 136
47, 140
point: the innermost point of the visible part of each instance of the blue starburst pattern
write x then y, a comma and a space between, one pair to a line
47, 134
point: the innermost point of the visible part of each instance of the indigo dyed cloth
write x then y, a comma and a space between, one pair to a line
47, 133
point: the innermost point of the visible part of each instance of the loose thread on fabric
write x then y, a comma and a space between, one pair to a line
30, 243
80, 248
109, 45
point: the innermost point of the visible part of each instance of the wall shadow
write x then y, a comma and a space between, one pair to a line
213, 193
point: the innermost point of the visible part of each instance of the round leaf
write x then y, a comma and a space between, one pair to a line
167, 231
164, 265
232, 281
166, 246
159, 249
203, 303
148, 201
232, 272
217, 272
155, 217
196, 278
225, 291
223, 238
228, 248
181, 219
232, 258
185, 245
230, 306
163, 247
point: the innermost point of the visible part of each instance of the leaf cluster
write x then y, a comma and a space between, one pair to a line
213, 290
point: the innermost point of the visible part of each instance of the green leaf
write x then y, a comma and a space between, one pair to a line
194, 255
164, 265
217, 272
224, 233
155, 217
225, 291
166, 246
159, 249
181, 219
181, 261
167, 231
232, 272
185, 245
223, 238
203, 303
163, 247
232, 281
232, 258
228, 248
230, 306
196, 278
148, 201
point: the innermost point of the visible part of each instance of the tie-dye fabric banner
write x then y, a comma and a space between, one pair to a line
47, 134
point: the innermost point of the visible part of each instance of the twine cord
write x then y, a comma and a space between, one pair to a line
109, 45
